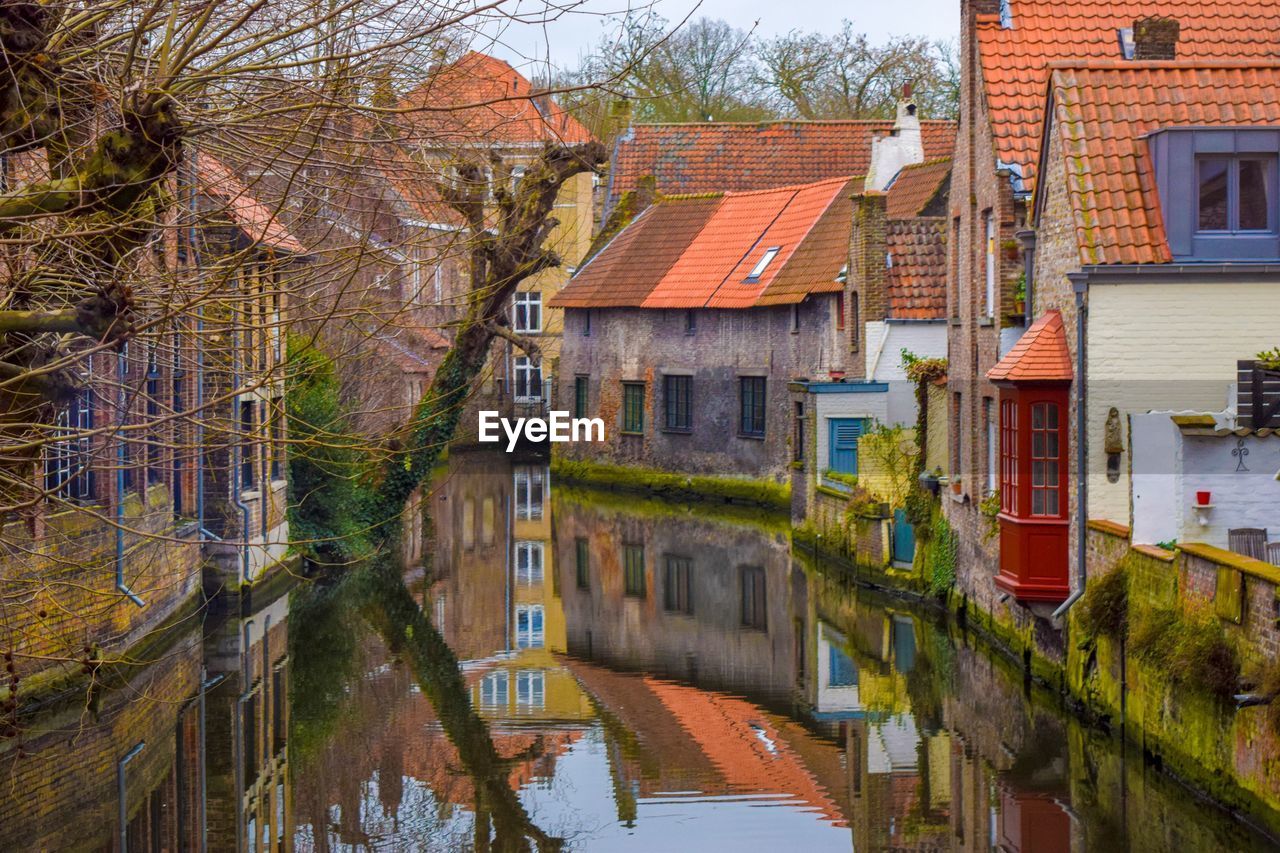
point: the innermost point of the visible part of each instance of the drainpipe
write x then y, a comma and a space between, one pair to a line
1080, 286
124, 800
121, 586
193, 258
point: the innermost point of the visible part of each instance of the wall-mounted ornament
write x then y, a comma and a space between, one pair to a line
1240, 453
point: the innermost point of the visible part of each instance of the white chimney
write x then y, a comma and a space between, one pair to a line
902, 147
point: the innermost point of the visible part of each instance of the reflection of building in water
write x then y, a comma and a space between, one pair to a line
693, 598
250, 802
126, 775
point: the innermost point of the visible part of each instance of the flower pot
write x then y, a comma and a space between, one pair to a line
956, 486
1202, 498
836, 375
1019, 306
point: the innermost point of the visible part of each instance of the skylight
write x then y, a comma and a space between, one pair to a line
758, 270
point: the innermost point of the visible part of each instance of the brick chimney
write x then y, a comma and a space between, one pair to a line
1156, 38
902, 147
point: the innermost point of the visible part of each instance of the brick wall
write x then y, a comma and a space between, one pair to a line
60, 593
634, 345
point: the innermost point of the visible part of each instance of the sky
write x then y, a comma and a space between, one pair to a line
566, 39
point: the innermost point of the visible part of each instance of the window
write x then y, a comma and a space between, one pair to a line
586, 323
797, 440
495, 689
517, 174
763, 263
992, 446
531, 690
839, 312
795, 318
580, 396
155, 447
1008, 456
529, 563
582, 550
529, 629
488, 517
751, 405
691, 322
248, 474
841, 671
633, 570
753, 598
528, 380
957, 431
1044, 459
68, 474
677, 585
989, 307
1235, 193
529, 497
278, 438
468, 522
678, 399
633, 407
854, 333
528, 313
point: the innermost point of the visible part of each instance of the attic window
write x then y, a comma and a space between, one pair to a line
1125, 36
759, 268
1006, 15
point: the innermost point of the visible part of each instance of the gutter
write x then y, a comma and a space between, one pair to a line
1080, 286
121, 586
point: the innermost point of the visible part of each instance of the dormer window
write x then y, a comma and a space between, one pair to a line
1235, 193
1229, 210
759, 268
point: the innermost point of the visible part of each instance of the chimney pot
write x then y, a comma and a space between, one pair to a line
1156, 38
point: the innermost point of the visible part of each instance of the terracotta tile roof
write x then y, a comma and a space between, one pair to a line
1015, 60
1101, 113
480, 99
1040, 355
734, 157
916, 186
698, 252
258, 221
917, 280
414, 183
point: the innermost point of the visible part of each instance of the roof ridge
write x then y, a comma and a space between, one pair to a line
1112, 64
934, 162
803, 121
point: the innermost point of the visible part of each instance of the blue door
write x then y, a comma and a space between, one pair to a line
904, 538
844, 435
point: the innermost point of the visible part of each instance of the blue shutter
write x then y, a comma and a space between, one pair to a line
844, 435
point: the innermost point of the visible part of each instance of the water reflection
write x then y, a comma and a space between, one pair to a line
580, 671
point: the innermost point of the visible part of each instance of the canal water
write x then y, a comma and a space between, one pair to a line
580, 671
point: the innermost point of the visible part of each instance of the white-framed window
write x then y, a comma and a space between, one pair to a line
527, 375
517, 174
527, 313
531, 690
529, 630
529, 490
763, 263
495, 688
437, 285
993, 443
529, 563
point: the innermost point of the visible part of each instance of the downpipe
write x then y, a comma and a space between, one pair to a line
193, 258
1080, 285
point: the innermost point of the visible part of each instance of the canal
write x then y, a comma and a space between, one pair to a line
581, 671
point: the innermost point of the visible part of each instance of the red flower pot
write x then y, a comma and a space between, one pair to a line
1202, 498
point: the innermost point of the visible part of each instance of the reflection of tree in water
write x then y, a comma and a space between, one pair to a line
327, 646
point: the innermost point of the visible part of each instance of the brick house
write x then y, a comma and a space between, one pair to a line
481, 111
896, 296
1016, 185
684, 330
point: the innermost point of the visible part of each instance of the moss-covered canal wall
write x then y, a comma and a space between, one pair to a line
1158, 654
1158, 650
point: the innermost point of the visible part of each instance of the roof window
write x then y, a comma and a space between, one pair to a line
759, 268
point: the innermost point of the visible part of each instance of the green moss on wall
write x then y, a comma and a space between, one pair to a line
679, 486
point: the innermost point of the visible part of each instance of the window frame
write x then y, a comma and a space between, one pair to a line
677, 389
582, 562
753, 406
632, 410
634, 582
525, 369
677, 584
754, 597
763, 264
581, 395
524, 305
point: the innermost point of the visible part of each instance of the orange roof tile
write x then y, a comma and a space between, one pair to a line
916, 187
1015, 60
697, 252
251, 216
733, 157
1040, 355
1101, 113
480, 99
917, 279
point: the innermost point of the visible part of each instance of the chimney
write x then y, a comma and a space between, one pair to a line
1156, 38
902, 147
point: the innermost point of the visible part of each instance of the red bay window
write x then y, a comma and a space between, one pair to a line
1034, 381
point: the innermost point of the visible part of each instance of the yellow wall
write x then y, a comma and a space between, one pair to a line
1166, 346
